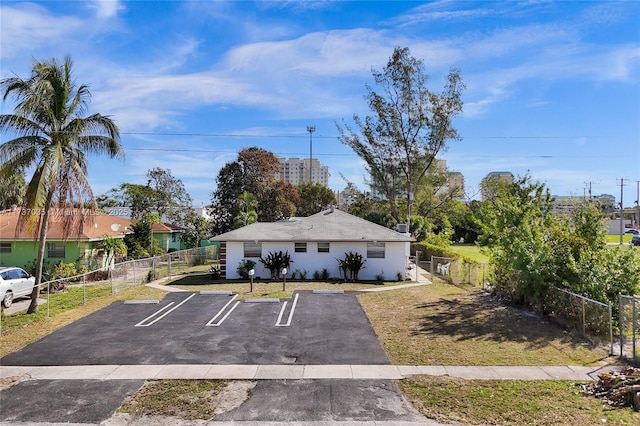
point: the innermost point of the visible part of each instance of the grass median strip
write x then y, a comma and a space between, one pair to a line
510, 402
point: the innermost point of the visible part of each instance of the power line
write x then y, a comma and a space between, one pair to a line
226, 151
300, 136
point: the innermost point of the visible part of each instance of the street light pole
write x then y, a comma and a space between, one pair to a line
310, 129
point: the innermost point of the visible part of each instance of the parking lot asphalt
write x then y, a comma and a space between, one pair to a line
324, 401
195, 328
64, 401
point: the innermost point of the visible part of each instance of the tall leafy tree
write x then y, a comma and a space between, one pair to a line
314, 197
410, 125
196, 228
254, 172
171, 198
53, 136
163, 194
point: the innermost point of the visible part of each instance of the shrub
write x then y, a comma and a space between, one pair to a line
399, 276
244, 266
324, 275
316, 275
380, 276
98, 276
427, 250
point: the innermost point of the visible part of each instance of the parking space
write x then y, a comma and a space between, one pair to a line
195, 328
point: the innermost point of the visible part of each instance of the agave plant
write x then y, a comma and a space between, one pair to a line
275, 262
353, 263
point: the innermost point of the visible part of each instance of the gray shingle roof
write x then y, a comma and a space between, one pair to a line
327, 225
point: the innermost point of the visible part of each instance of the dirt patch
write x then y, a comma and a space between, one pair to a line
188, 400
7, 382
233, 395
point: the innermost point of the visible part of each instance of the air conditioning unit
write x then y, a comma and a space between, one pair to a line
402, 228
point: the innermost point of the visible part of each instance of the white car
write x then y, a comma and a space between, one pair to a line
14, 282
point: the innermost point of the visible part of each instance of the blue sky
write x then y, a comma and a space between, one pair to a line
553, 88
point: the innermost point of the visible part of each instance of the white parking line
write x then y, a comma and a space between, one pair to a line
211, 323
142, 323
293, 308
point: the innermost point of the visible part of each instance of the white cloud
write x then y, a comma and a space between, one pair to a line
106, 9
27, 26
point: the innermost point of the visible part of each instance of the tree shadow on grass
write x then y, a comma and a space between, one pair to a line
480, 317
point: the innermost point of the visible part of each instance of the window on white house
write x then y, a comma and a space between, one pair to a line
252, 249
323, 247
56, 250
300, 247
375, 250
5, 247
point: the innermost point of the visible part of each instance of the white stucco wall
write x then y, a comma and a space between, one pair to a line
396, 254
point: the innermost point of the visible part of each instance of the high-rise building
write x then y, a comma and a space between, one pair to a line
487, 186
296, 171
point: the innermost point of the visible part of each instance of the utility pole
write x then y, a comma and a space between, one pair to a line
638, 204
589, 184
310, 129
621, 208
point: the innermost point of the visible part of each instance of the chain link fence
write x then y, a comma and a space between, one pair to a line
630, 327
590, 318
71, 292
458, 271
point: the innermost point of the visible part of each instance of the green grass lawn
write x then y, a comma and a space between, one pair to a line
442, 324
615, 238
469, 251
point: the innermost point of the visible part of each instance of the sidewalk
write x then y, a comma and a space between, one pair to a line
299, 372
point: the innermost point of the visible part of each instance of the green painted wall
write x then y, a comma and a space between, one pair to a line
166, 240
26, 252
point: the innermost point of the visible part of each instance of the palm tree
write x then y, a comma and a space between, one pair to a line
53, 138
247, 215
111, 247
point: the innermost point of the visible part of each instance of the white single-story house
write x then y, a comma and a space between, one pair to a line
315, 243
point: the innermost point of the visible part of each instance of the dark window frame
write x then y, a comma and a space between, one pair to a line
376, 250
56, 250
324, 247
252, 249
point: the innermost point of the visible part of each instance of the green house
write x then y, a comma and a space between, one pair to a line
20, 248
168, 236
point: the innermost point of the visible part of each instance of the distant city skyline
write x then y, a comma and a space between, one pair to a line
552, 88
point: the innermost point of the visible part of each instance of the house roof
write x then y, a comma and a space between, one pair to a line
329, 225
95, 225
165, 228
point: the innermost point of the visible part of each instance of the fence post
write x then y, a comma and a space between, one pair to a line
169, 267
84, 290
111, 279
610, 328
633, 327
48, 299
133, 267
621, 324
431, 266
584, 326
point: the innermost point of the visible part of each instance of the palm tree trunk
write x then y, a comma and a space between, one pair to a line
33, 306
